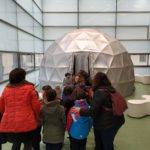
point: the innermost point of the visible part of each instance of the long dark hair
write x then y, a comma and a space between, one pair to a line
17, 75
100, 80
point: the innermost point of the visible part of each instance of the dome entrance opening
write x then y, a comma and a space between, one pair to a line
81, 62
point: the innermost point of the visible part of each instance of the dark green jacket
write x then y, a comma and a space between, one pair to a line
54, 122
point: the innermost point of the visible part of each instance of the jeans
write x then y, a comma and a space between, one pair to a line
104, 139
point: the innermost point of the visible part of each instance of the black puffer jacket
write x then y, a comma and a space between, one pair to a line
102, 119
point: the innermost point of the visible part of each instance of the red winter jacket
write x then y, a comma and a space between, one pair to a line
20, 107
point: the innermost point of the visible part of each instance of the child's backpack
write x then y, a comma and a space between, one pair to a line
119, 104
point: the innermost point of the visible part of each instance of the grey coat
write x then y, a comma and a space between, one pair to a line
54, 122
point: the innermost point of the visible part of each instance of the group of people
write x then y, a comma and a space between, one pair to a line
76, 109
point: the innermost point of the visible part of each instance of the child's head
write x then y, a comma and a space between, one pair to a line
79, 93
67, 75
58, 91
67, 90
46, 87
58, 88
50, 95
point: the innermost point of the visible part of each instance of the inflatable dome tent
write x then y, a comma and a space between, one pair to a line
92, 51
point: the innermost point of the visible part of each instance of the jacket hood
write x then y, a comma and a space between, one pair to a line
52, 103
80, 103
51, 107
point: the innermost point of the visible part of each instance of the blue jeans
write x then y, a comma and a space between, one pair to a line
104, 139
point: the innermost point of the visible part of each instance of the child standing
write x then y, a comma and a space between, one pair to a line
53, 120
58, 91
78, 126
67, 100
67, 80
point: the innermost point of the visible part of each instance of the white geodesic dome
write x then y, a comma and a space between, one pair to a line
92, 51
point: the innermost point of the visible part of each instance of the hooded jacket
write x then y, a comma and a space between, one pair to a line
54, 122
79, 126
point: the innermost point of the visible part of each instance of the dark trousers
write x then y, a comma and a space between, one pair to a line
37, 139
36, 145
104, 139
76, 144
17, 145
50, 146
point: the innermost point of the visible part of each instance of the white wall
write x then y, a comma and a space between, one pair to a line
129, 22
126, 20
32, 77
21, 31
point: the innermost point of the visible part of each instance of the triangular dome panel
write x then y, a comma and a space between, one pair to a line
106, 54
117, 61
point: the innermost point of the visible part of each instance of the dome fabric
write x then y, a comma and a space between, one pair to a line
92, 51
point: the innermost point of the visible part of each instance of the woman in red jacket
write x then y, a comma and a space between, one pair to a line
20, 107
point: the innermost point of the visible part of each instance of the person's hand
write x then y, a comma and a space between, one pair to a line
76, 110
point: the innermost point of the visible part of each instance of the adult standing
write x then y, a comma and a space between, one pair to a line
20, 107
106, 125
